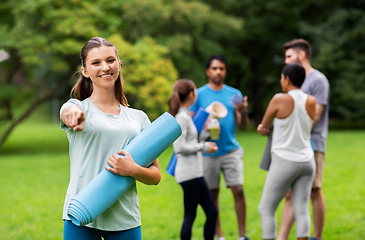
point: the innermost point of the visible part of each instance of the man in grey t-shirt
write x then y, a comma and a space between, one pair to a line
315, 84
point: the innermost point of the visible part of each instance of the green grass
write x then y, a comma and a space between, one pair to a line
34, 174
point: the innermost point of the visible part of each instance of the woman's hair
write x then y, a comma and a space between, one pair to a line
295, 72
182, 89
83, 88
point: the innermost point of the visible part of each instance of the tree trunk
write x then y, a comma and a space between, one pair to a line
31, 108
8, 115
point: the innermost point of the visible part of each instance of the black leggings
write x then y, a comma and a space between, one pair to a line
196, 192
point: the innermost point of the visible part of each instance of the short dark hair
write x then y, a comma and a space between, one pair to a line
300, 44
216, 57
295, 72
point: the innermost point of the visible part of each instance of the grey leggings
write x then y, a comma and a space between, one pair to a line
283, 175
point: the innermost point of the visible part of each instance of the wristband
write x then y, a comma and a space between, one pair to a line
244, 114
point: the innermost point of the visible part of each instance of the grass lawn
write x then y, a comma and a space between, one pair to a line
34, 174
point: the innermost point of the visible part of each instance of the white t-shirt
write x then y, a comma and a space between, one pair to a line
291, 135
102, 136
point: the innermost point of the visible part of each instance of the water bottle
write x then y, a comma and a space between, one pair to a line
213, 127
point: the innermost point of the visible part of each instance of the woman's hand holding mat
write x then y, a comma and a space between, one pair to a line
107, 187
121, 164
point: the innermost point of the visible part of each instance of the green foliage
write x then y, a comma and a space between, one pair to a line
340, 47
334, 28
192, 30
44, 39
34, 170
149, 74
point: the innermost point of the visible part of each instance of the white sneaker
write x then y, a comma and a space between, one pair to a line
243, 238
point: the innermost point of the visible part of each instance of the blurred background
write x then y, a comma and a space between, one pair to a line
160, 41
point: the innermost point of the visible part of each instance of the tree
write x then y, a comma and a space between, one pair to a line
334, 28
44, 39
340, 48
148, 74
192, 30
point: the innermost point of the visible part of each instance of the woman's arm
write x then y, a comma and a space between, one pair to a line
270, 113
181, 145
314, 109
280, 106
318, 112
73, 117
126, 166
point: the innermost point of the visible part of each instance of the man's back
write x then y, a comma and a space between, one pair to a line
317, 85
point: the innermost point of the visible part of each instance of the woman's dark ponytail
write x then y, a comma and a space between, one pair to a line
182, 89
174, 103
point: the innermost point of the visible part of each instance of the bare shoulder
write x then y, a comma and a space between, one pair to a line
311, 100
311, 106
281, 97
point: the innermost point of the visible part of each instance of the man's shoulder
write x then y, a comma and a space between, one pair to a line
317, 76
225, 87
203, 88
231, 89
315, 80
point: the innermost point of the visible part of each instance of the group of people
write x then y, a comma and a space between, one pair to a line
99, 124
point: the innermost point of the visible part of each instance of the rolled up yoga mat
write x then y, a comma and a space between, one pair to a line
106, 188
266, 157
199, 119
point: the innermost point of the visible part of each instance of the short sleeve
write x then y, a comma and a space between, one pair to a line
145, 120
239, 94
320, 91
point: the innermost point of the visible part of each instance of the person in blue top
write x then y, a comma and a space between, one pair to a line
228, 157
99, 124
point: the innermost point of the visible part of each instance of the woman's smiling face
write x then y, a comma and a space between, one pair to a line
102, 66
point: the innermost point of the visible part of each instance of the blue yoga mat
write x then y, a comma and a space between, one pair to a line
266, 157
107, 187
199, 119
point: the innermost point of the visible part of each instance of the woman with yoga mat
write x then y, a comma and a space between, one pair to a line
292, 158
189, 166
99, 124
